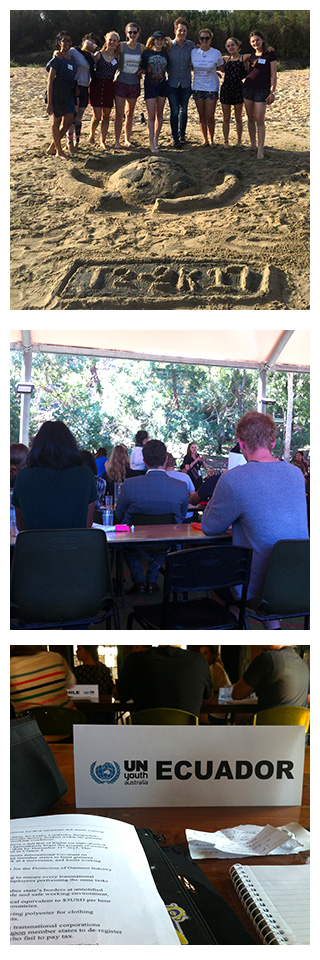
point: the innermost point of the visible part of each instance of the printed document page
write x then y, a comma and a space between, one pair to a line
81, 879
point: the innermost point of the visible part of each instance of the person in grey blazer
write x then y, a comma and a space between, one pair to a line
153, 493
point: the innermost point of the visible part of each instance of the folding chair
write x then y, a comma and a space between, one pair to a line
286, 590
60, 579
203, 569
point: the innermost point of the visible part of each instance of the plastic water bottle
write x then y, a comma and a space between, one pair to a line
13, 528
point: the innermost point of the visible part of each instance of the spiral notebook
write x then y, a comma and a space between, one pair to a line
277, 900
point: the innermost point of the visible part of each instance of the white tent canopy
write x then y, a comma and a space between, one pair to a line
287, 350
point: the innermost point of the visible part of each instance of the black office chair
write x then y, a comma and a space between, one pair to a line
61, 579
203, 569
286, 590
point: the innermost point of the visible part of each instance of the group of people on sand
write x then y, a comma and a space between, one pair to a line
111, 74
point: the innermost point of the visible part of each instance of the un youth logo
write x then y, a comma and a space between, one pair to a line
105, 772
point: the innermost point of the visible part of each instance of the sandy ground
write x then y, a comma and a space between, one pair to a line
248, 249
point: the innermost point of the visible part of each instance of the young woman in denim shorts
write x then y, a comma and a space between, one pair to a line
205, 85
127, 84
259, 88
154, 64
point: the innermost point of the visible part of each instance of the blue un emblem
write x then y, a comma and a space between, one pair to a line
105, 772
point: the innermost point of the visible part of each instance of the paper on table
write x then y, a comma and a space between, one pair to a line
225, 696
247, 840
81, 879
101, 526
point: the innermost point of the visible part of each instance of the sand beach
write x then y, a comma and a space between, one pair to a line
232, 234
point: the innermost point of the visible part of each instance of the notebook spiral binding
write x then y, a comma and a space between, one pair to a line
267, 928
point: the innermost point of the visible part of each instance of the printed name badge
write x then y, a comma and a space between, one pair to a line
81, 691
113, 62
70, 66
139, 766
261, 60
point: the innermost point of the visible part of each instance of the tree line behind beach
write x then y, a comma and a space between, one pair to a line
33, 32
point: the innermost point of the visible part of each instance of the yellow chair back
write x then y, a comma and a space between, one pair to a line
164, 715
295, 716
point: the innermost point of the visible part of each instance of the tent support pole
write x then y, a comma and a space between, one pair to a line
25, 378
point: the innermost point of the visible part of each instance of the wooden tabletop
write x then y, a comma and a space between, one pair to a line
164, 532
172, 822
106, 704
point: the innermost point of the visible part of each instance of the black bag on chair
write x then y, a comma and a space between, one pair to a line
36, 782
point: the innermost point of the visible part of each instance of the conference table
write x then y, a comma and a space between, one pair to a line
117, 709
184, 534
176, 535
171, 822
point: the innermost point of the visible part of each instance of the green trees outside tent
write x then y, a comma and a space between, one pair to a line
105, 401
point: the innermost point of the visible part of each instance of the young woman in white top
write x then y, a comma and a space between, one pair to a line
127, 84
205, 85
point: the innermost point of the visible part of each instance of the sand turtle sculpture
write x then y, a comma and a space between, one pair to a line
142, 181
158, 182
168, 186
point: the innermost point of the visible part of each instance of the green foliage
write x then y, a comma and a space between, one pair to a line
286, 30
105, 401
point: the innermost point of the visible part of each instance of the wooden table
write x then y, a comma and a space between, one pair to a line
166, 533
172, 822
107, 704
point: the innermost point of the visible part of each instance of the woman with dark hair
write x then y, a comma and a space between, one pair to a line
154, 64
92, 671
259, 88
18, 457
55, 490
88, 460
61, 92
192, 463
136, 459
85, 73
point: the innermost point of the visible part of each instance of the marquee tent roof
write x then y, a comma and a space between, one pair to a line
261, 349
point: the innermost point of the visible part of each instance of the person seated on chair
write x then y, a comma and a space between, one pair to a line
278, 676
152, 494
118, 468
219, 679
54, 490
136, 460
38, 678
205, 491
88, 460
180, 475
92, 670
165, 676
264, 500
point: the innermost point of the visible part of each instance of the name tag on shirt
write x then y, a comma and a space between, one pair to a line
70, 66
261, 60
113, 62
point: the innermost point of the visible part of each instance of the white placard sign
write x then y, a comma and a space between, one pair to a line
140, 766
84, 691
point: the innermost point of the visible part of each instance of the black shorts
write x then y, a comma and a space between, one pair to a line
254, 94
83, 97
153, 90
